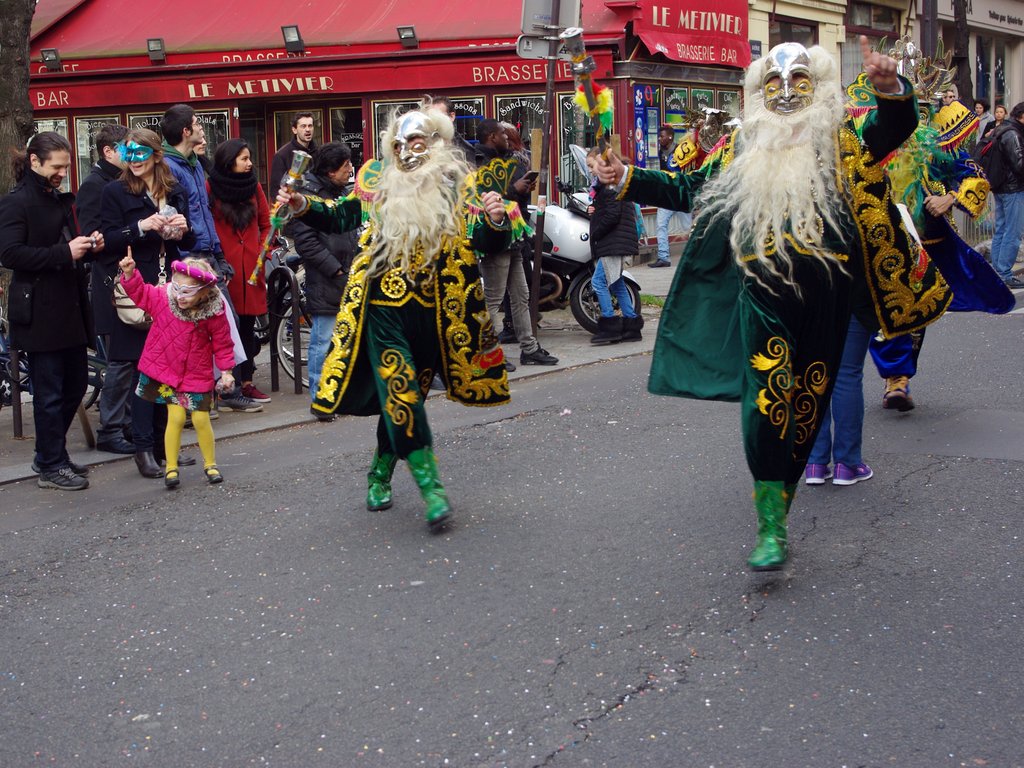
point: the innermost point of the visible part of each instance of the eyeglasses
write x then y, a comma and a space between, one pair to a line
186, 290
135, 153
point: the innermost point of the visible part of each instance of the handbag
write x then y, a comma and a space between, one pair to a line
127, 311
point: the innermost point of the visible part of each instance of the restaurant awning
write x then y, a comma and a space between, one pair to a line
107, 29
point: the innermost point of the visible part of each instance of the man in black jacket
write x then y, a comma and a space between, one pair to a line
117, 379
325, 256
1008, 142
48, 309
505, 270
302, 128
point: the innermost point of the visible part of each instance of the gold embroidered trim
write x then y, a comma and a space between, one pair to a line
902, 303
402, 399
787, 398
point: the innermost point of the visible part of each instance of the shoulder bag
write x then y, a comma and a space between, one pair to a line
127, 311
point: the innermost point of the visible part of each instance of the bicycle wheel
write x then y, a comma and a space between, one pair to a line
97, 370
283, 341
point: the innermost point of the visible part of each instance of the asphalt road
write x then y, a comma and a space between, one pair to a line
590, 606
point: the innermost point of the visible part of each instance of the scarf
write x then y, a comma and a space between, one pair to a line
232, 197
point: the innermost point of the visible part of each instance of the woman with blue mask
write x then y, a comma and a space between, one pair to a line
145, 209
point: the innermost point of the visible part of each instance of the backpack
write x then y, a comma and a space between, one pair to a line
988, 155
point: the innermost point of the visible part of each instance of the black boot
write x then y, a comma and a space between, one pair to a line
631, 328
609, 331
147, 465
508, 333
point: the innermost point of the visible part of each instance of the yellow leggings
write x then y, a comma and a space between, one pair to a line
175, 426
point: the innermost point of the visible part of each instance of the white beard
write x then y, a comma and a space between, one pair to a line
416, 211
781, 180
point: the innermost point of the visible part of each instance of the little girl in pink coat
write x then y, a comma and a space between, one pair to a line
189, 332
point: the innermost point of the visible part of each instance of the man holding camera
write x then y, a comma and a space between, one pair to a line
49, 313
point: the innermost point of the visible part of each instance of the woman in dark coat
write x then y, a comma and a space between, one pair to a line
137, 215
242, 218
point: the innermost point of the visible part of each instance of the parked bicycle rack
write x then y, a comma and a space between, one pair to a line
286, 273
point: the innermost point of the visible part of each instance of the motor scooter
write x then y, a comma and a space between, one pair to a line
568, 261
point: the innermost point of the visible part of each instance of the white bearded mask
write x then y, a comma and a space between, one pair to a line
413, 136
794, 89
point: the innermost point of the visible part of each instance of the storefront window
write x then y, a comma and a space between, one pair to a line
729, 101
85, 140
575, 127
983, 70
469, 111
676, 102
216, 126
150, 121
526, 113
57, 125
877, 23
347, 126
283, 126
792, 31
999, 73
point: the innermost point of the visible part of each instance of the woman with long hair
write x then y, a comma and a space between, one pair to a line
242, 218
145, 210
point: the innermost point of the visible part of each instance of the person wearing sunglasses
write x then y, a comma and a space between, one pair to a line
146, 209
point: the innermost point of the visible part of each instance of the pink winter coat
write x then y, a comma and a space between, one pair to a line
180, 352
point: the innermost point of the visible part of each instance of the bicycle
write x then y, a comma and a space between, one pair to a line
281, 326
97, 366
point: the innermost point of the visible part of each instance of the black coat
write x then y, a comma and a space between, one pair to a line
282, 162
323, 254
89, 209
122, 211
48, 307
1010, 138
613, 225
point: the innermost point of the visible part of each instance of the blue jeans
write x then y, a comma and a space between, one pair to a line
663, 218
842, 426
1009, 228
319, 340
603, 292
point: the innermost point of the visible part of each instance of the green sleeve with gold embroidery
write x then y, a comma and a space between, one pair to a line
332, 215
674, 191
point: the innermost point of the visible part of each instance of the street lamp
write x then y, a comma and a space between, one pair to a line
51, 58
292, 39
156, 50
407, 37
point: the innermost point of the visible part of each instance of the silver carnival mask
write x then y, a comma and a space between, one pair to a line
413, 136
786, 82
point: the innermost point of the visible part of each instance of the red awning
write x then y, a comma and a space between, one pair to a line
695, 32
93, 29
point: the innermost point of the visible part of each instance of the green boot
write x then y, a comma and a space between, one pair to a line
423, 466
771, 500
378, 490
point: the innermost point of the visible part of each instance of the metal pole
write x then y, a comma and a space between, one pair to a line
545, 159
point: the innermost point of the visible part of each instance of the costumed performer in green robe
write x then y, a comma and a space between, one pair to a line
794, 230
414, 303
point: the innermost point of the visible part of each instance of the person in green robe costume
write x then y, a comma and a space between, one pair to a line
414, 304
795, 229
